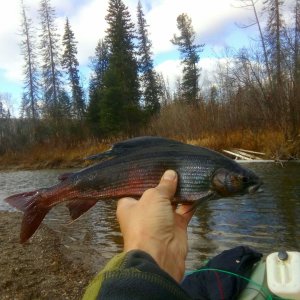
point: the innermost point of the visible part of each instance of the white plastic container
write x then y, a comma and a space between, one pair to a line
283, 274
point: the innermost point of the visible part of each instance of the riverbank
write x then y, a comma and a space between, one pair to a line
40, 269
62, 155
53, 156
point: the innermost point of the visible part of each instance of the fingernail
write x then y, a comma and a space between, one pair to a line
170, 175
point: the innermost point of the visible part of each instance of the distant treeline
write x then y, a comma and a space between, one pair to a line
253, 88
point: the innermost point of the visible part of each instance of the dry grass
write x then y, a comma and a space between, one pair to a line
211, 126
273, 143
60, 156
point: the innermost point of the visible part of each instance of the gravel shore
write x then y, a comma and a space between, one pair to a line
40, 269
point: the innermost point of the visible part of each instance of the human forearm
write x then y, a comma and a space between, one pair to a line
133, 275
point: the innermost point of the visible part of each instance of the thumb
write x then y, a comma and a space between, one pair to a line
168, 184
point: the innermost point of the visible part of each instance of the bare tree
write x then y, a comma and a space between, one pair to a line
252, 5
274, 31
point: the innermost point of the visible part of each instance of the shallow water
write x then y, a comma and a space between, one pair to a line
267, 221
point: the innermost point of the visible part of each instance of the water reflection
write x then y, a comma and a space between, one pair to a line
267, 221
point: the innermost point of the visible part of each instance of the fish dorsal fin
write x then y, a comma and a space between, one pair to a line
79, 207
64, 176
135, 144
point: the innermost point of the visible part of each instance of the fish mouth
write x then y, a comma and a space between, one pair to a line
254, 188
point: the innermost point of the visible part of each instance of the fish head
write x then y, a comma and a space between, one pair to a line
238, 181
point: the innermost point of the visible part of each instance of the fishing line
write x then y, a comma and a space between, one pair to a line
257, 290
262, 289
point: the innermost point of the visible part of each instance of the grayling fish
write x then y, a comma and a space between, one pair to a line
128, 169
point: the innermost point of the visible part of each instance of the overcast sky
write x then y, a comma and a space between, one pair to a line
213, 20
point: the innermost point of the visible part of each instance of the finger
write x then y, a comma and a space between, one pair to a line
124, 205
168, 184
186, 211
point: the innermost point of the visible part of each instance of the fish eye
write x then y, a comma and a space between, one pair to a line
245, 179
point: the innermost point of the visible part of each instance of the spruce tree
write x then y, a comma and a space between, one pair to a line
50, 51
189, 52
29, 105
149, 78
99, 66
70, 64
120, 107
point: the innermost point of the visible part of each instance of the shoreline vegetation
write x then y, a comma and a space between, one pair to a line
73, 155
250, 100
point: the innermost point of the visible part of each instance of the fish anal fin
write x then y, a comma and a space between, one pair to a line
79, 207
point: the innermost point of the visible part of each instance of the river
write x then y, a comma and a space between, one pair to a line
266, 221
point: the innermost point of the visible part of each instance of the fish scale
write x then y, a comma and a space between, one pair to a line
152, 169
128, 169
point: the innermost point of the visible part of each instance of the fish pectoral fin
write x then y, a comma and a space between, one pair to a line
204, 197
79, 207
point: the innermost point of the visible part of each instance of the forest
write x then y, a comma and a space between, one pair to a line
252, 103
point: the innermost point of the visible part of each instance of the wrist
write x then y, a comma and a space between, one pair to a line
169, 261
156, 249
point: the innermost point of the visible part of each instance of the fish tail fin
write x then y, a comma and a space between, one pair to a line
34, 211
20, 201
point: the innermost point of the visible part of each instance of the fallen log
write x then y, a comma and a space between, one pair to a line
244, 154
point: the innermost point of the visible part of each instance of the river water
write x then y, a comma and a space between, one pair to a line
266, 221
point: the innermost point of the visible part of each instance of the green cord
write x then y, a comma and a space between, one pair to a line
269, 296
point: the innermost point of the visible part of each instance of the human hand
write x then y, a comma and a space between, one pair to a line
153, 225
